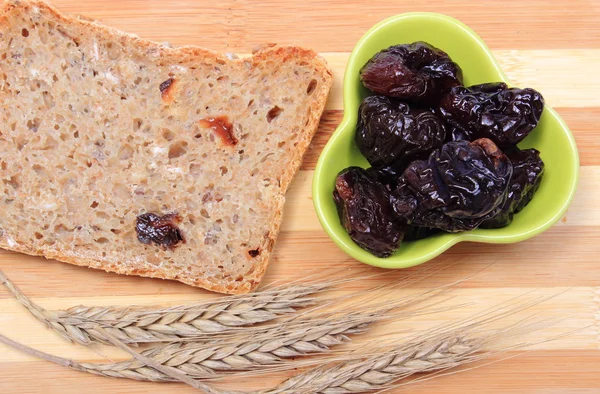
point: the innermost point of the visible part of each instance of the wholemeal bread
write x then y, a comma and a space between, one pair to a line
126, 155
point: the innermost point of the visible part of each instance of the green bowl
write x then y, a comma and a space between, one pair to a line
551, 137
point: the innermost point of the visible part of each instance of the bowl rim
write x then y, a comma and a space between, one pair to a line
350, 116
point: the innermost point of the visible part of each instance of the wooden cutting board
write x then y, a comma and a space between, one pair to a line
551, 45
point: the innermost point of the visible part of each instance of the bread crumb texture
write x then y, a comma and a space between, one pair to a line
99, 127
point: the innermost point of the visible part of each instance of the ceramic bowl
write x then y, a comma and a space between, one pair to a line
551, 137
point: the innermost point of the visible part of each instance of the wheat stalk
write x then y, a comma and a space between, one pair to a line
148, 325
77, 366
145, 325
194, 361
363, 370
451, 345
381, 370
246, 350
264, 348
251, 352
362, 375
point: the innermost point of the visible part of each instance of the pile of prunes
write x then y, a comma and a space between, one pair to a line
444, 157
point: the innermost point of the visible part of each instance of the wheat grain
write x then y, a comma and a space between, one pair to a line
76, 366
143, 325
264, 347
194, 361
448, 346
193, 321
264, 351
363, 370
379, 371
355, 374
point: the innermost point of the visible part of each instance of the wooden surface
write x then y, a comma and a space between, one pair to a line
553, 46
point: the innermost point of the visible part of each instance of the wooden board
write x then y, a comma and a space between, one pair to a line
553, 46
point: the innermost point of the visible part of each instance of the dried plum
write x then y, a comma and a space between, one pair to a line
365, 211
492, 110
391, 134
455, 134
387, 176
417, 72
458, 187
436, 151
162, 230
528, 170
412, 233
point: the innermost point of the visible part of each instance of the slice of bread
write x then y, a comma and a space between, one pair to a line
100, 129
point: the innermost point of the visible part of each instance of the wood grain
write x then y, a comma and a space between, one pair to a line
335, 25
540, 372
573, 303
553, 46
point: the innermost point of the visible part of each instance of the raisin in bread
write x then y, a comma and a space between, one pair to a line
126, 155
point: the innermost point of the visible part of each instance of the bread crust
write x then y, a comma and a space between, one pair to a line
191, 54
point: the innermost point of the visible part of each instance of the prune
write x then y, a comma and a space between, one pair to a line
417, 72
458, 187
456, 134
412, 233
254, 252
366, 213
387, 176
493, 110
162, 230
436, 151
391, 134
528, 170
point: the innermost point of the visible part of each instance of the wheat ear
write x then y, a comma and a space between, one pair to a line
448, 346
376, 371
363, 370
188, 362
149, 325
265, 351
362, 375
78, 367
264, 348
379, 371
132, 326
